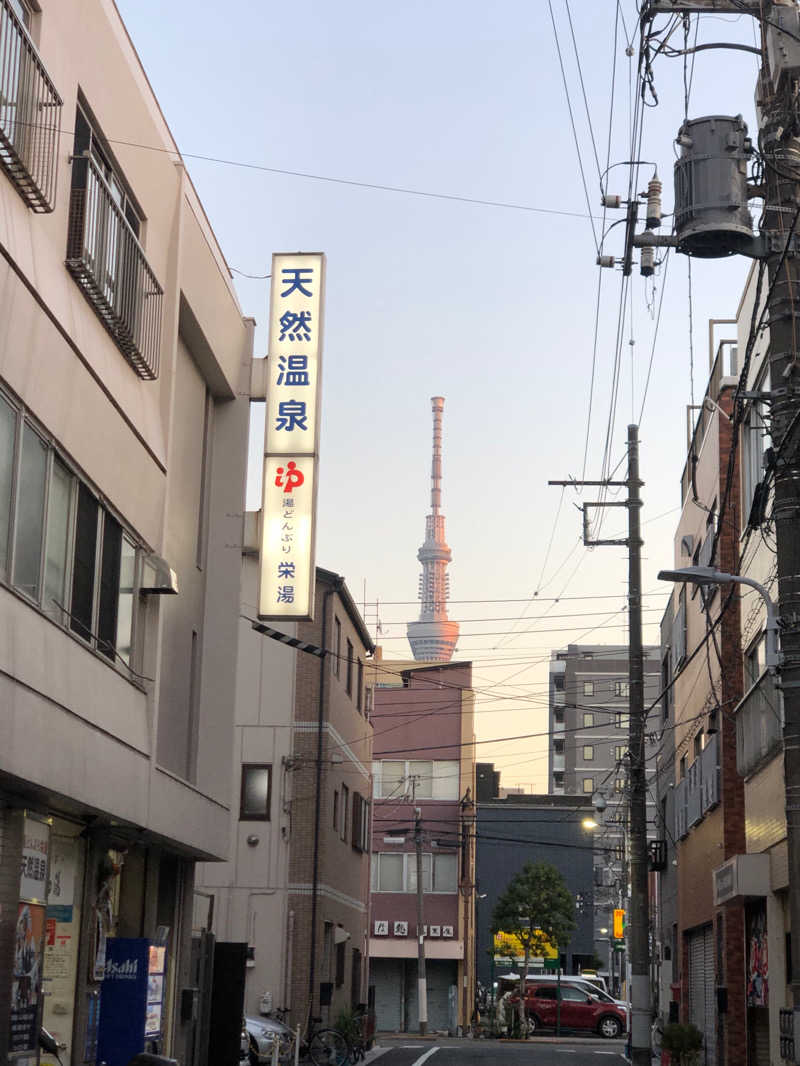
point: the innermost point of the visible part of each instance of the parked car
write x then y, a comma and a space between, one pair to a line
580, 1009
587, 983
260, 1036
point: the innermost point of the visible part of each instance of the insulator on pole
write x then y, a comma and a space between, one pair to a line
606, 260
647, 262
611, 200
653, 203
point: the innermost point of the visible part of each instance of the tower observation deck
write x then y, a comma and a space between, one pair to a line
433, 638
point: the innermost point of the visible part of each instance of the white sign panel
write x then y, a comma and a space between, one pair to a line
287, 537
35, 847
292, 436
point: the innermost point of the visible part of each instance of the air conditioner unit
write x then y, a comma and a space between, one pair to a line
401, 928
381, 929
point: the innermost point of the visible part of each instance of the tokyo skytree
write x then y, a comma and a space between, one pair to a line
433, 638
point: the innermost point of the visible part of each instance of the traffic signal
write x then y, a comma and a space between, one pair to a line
619, 924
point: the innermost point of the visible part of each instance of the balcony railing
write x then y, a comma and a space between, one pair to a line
759, 725
106, 259
30, 115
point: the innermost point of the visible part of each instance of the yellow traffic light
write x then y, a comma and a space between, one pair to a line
619, 924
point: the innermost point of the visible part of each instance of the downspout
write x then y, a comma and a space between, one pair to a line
323, 669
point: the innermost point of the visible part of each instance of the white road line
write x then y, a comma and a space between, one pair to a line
425, 1057
566, 1051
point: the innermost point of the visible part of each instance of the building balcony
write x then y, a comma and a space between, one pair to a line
558, 698
759, 725
558, 760
30, 115
558, 725
107, 261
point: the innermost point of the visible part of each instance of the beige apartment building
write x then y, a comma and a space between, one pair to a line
296, 888
124, 379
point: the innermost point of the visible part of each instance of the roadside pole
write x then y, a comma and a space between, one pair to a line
422, 987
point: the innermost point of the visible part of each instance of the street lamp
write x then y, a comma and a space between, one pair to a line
707, 575
589, 823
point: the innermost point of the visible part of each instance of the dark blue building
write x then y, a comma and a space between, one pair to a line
532, 828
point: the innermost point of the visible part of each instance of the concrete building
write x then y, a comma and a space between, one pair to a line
588, 724
531, 828
124, 386
423, 758
296, 888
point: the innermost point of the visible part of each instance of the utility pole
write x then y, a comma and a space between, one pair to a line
778, 246
639, 924
422, 987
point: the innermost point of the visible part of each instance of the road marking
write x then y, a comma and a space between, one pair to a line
566, 1051
425, 1057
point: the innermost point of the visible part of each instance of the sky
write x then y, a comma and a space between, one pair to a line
483, 290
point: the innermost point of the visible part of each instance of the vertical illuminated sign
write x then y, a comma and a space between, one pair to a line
288, 513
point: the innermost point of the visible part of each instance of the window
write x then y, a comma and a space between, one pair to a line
345, 811
388, 875
60, 547
619, 784
620, 751
336, 662
104, 254
398, 872
425, 779
348, 685
558, 682
340, 963
336, 810
574, 995
360, 686
698, 744
588, 720
754, 661
588, 655
558, 717
445, 873
544, 993
558, 747
621, 688
682, 768
360, 835
558, 779
588, 752
588, 785
588, 688
621, 720
755, 441
256, 792
30, 111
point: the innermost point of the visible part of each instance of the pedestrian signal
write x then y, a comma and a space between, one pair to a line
619, 924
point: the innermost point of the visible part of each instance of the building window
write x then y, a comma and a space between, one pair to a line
422, 779
698, 744
345, 811
588, 655
558, 717
682, 768
360, 835
398, 872
621, 719
619, 784
755, 441
104, 254
588, 719
558, 747
588, 785
620, 752
340, 963
445, 873
30, 111
558, 682
558, 779
588, 688
60, 547
360, 686
336, 663
256, 792
348, 685
388, 873
622, 688
588, 753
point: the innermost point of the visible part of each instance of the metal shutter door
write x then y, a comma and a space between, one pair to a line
702, 994
387, 977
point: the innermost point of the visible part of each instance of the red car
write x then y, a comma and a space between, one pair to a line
579, 1010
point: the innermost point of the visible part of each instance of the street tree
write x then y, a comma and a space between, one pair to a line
538, 909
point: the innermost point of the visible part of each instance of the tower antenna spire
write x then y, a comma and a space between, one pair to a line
433, 638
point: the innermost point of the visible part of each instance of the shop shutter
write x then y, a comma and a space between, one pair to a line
702, 995
387, 977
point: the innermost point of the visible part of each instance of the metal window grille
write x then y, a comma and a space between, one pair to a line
105, 258
30, 115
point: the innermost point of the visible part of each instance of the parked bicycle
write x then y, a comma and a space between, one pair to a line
323, 1046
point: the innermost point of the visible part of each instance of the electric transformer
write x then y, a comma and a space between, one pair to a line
711, 215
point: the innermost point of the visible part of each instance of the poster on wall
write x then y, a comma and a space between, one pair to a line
757, 958
26, 977
35, 846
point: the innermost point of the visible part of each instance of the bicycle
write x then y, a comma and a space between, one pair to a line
362, 1041
322, 1046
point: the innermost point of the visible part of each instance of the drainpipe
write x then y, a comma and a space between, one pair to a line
323, 671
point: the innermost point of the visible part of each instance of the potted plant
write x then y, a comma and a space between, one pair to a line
684, 1043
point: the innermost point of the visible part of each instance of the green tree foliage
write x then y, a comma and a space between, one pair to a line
539, 910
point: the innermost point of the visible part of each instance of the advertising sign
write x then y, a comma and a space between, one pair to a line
292, 437
26, 977
33, 875
123, 1000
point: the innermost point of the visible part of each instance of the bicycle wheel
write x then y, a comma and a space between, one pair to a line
328, 1047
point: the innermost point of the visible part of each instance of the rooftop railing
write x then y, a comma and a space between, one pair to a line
105, 258
30, 115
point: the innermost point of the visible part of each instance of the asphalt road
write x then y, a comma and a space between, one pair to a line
535, 1052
